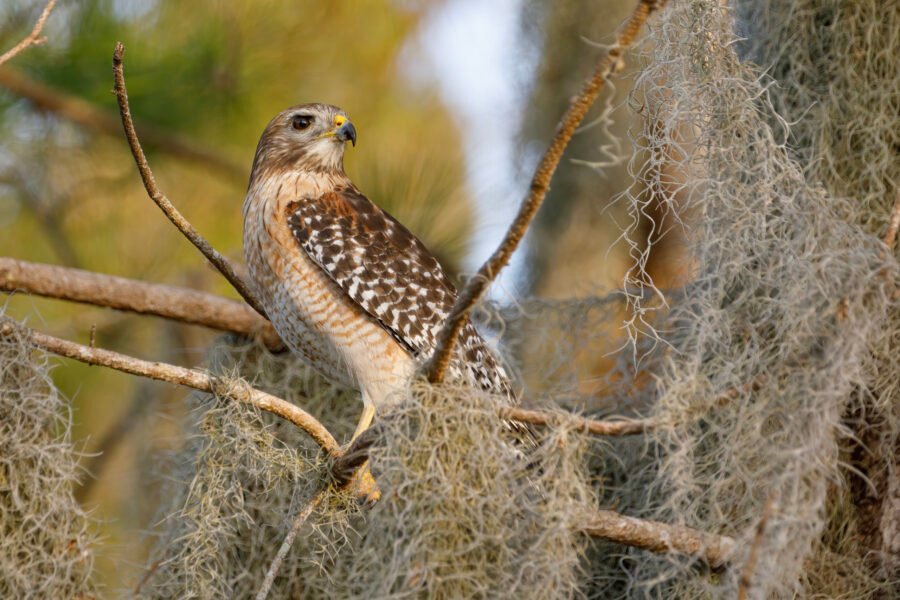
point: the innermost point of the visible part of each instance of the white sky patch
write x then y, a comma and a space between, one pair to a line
473, 51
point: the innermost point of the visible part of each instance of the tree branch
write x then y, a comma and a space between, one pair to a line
547, 419
32, 39
658, 537
88, 115
746, 581
296, 526
233, 389
176, 303
540, 183
200, 308
177, 219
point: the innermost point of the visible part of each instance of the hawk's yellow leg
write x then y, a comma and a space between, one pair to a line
365, 419
364, 481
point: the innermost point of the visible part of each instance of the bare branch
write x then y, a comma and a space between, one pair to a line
86, 114
658, 537
540, 183
176, 303
164, 204
200, 308
192, 378
750, 565
545, 419
296, 526
32, 39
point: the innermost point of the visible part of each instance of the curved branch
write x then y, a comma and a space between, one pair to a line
32, 39
233, 389
176, 303
177, 219
437, 365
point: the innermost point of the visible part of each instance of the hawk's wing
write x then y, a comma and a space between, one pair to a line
377, 262
390, 274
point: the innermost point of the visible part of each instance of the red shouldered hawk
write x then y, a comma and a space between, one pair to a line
345, 285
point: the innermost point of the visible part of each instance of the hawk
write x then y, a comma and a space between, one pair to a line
346, 286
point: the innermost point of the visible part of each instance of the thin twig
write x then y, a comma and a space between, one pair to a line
148, 573
296, 526
654, 536
32, 39
177, 219
170, 302
545, 419
890, 236
192, 378
747, 573
540, 183
91, 116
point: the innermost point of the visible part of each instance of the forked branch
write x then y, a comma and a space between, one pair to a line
32, 39
540, 183
177, 219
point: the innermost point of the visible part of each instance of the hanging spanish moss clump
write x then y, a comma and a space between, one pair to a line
46, 550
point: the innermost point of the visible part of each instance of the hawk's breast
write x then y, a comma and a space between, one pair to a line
314, 317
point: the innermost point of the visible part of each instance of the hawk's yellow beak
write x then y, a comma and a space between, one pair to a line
344, 129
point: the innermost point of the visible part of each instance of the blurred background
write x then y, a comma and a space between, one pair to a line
454, 101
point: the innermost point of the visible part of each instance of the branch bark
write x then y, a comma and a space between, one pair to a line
177, 219
176, 303
546, 419
233, 389
92, 117
436, 366
654, 536
32, 39
200, 308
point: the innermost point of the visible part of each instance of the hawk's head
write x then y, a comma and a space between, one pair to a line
308, 137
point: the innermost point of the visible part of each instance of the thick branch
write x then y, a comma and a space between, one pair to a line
179, 304
658, 537
177, 219
540, 183
32, 39
88, 115
192, 378
544, 419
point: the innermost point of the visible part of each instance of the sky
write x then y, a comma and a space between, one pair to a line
473, 51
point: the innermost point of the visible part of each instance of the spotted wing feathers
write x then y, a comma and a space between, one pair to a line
391, 275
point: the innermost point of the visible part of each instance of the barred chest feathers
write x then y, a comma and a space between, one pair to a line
311, 313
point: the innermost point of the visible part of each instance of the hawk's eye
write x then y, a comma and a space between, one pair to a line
301, 122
